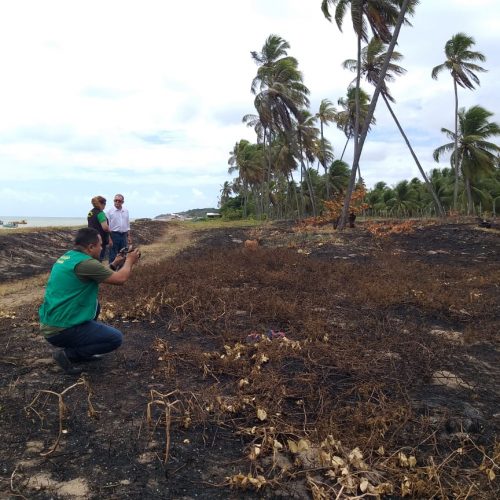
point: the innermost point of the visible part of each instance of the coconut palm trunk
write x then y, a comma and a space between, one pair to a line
307, 178
470, 203
358, 148
455, 155
439, 208
345, 147
324, 161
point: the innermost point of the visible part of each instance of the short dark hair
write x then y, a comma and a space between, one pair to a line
86, 236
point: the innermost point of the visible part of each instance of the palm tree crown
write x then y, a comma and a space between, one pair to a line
346, 117
372, 60
475, 153
460, 61
380, 15
470, 150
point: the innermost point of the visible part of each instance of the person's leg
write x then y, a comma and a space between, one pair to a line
83, 341
119, 242
113, 251
103, 252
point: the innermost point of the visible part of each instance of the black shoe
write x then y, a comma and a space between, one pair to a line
62, 360
94, 357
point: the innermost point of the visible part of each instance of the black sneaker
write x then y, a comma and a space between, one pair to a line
94, 357
62, 360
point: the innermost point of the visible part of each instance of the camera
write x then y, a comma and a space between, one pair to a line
124, 251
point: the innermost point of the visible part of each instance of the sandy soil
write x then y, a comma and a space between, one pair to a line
382, 375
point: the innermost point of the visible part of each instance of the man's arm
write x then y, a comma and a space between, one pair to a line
121, 276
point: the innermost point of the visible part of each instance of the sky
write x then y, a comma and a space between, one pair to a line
146, 97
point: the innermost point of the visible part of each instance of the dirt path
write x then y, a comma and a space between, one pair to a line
22, 292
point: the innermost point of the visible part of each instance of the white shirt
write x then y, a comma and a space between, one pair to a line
118, 219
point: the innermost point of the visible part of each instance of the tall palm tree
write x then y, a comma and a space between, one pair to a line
325, 115
460, 62
280, 94
307, 135
285, 163
380, 15
373, 56
475, 155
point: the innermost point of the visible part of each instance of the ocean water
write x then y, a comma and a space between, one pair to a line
42, 221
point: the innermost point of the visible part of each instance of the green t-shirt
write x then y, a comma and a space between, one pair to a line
101, 217
88, 270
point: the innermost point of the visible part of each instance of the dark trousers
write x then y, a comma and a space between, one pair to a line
120, 241
81, 342
103, 252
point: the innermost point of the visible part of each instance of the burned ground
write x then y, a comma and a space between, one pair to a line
26, 253
318, 365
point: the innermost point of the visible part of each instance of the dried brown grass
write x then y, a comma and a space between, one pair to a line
357, 347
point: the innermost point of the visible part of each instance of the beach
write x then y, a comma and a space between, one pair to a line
43, 221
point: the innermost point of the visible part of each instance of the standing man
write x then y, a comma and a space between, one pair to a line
70, 307
119, 224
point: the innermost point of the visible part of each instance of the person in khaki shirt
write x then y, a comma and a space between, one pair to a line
68, 314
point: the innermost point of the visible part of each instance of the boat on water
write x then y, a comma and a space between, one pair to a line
10, 224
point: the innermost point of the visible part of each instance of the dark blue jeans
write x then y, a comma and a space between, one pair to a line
81, 342
103, 252
120, 241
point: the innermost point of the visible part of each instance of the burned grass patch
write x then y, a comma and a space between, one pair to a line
282, 371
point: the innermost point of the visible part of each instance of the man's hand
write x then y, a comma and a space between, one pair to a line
134, 256
122, 275
119, 260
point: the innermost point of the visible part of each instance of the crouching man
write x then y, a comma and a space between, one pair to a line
70, 308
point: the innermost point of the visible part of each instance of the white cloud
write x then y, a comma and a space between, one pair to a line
148, 96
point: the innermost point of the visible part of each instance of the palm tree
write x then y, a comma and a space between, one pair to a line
247, 159
372, 61
326, 114
346, 118
225, 192
460, 62
339, 175
404, 198
381, 15
280, 94
285, 163
475, 156
307, 135
378, 14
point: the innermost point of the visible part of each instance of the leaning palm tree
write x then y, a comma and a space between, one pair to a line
372, 61
381, 16
325, 115
475, 155
460, 62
